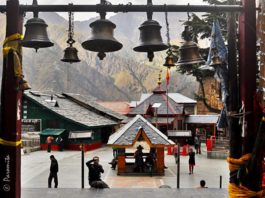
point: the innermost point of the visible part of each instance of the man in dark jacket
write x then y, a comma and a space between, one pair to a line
53, 172
94, 175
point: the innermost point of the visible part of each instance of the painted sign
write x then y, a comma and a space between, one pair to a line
31, 125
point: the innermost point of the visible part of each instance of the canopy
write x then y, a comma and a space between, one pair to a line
49, 131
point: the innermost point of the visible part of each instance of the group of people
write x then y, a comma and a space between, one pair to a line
141, 164
95, 169
58, 140
191, 153
94, 175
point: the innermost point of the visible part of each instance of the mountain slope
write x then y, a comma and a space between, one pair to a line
122, 75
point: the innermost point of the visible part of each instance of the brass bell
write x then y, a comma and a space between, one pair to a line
189, 54
102, 39
36, 34
169, 60
150, 38
215, 59
70, 55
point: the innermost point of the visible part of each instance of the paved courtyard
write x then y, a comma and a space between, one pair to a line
35, 170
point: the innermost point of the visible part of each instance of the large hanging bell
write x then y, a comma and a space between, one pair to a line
150, 38
70, 55
189, 54
102, 39
36, 35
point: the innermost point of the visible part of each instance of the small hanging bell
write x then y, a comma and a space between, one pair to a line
215, 59
169, 60
70, 55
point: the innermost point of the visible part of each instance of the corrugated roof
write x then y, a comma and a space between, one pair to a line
207, 119
71, 110
179, 133
127, 134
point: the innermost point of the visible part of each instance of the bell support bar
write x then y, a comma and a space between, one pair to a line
127, 8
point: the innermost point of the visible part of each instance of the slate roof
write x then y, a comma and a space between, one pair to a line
161, 120
176, 103
203, 119
158, 97
70, 110
93, 105
126, 135
177, 97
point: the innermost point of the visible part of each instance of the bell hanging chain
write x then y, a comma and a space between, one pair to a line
70, 40
167, 25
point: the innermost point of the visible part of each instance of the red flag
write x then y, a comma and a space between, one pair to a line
168, 77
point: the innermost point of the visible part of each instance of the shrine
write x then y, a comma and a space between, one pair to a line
139, 134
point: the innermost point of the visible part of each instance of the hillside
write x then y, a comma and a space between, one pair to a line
122, 75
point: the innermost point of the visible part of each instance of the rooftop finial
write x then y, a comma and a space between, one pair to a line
159, 78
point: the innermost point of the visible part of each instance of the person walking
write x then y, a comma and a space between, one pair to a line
49, 143
94, 175
197, 143
54, 168
191, 160
59, 141
175, 152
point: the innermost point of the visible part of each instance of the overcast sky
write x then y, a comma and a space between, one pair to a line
86, 16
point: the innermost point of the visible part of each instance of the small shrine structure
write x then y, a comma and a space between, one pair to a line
138, 132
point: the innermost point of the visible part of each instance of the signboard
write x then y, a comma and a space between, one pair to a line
31, 125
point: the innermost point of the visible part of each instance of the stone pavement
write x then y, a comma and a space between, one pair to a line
35, 170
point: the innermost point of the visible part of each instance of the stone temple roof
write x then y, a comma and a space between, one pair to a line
126, 136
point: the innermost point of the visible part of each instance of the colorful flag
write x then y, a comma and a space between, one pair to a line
168, 77
218, 43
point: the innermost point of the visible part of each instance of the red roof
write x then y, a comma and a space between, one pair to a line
116, 106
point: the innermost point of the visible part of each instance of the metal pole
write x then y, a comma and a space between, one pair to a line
10, 124
82, 166
221, 181
167, 111
178, 166
127, 8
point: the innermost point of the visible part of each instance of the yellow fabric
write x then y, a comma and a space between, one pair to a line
243, 192
13, 37
11, 43
235, 164
17, 65
10, 143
